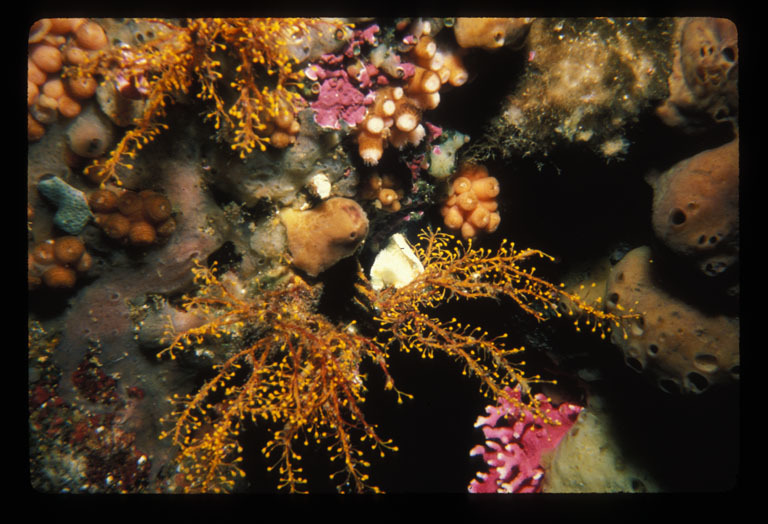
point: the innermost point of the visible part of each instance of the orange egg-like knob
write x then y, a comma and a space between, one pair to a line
387, 196
85, 263
157, 208
479, 217
46, 57
461, 185
81, 87
142, 234
90, 35
116, 226
453, 218
59, 277
68, 250
130, 204
467, 201
486, 188
102, 201
69, 107
43, 253
166, 228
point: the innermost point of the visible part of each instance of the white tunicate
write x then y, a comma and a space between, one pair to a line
320, 186
395, 265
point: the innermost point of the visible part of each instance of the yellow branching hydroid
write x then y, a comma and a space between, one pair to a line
261, 86
299, 373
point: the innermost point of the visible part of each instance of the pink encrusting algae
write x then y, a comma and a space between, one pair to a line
515, 441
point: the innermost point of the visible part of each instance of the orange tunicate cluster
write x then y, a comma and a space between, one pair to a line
57, 262
395, 115
282, 128
384, 191
446, 63
53, 44
138, 219
471, 204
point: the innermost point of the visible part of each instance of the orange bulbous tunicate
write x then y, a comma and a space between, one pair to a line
486, 188
68, 250
81, 87
157, 208
461, 185
32, 92
85, 263
387, 196
284, 119
471, 206
130, 204
490, 33
467, 201
53, 88
46, 57
62, 26
142, 234
69, 107
166, 228
45, 109
468, 230
281, 139
34, 74
59, 277
39, 30
74, 55
494, 219
90, 135
90, 35
490, 205
385, 192
116, 226
453, 218
102, 201
479, 217
43, 253
35, 130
